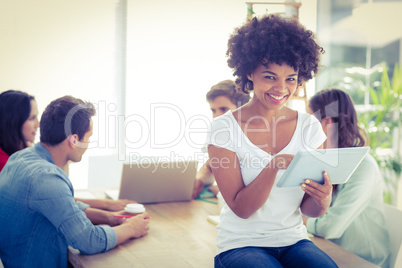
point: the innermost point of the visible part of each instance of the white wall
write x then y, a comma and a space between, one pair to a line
175, 53
53, 48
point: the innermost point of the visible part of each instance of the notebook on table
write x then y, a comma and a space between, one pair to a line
156, 182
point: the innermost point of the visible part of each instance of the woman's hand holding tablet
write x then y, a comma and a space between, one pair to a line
339, 163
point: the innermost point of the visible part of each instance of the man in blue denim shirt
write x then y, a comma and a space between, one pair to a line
39, 217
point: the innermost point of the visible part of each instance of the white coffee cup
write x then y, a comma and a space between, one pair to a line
134, 209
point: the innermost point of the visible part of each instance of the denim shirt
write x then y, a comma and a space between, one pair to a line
38, 216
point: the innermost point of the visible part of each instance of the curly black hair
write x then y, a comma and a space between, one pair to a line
272, 39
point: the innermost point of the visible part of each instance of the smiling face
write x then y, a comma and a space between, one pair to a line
273, 86
221, 105
31, 125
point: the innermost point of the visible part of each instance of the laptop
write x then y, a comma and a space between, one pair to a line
156, 182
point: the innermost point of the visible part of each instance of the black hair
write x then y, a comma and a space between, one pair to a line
15, 108
272, 39
63, 117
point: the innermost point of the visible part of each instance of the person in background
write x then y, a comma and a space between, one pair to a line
222, 97
18, 123
261, 224
355, 220
40, 218
18, 127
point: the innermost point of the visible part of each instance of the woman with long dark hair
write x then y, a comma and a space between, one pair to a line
18, 123
355, 219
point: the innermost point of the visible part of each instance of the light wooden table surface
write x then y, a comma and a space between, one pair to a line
181, 236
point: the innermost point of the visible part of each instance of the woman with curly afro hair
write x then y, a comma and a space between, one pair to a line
249, 149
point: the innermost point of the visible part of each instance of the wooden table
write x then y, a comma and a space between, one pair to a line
341, 256
181, 236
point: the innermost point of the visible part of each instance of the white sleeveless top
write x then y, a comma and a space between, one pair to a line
278, 222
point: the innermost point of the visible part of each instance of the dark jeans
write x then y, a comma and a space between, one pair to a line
302, 254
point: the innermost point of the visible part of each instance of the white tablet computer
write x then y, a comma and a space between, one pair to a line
339, 163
